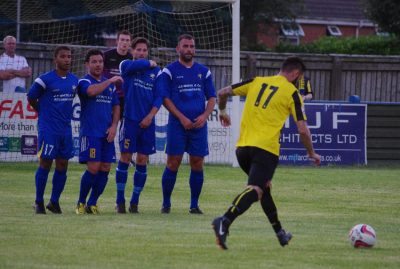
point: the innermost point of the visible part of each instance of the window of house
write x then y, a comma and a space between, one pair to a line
379, 32
291, 29
291, 33
333, 30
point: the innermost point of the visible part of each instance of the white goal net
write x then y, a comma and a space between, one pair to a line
41, 25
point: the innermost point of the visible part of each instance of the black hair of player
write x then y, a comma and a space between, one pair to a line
60, 48
185, 36
92, 52
138, 40
293, 63
124, 32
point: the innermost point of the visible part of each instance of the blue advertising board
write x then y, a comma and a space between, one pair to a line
338, 133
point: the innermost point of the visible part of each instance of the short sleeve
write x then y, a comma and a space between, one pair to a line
158, 96
209, 89
164, 83
83, 85
297, 107
37, 89
242, 88
115, 99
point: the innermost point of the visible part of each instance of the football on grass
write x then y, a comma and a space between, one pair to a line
362, 236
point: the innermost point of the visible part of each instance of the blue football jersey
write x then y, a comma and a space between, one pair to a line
55, 95
96, 111
188, 88
139, 88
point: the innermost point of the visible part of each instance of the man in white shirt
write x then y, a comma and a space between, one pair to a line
14, 69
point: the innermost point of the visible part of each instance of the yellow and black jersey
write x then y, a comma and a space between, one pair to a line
303, 85
269, 101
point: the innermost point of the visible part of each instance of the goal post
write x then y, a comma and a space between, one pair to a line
235, 34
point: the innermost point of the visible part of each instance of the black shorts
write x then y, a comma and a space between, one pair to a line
258, 164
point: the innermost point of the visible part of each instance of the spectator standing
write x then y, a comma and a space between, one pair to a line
303, 84
14, 68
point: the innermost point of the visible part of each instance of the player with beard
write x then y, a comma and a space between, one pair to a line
99, 120
137, 134
269, 102
189, 96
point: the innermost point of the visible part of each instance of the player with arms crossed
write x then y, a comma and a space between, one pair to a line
14, 68
269, 101
99, 121
187, 87
51, 95
137, 134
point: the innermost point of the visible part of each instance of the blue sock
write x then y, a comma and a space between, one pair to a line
40, 182
139, 179
59, 179
121, 176
87, 182
196, 184
168, 183
98, 188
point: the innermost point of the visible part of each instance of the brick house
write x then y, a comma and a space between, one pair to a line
319, 18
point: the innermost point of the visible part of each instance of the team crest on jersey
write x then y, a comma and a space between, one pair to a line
199, 75
152, 76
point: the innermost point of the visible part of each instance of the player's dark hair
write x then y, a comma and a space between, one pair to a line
92, 52
60, 48
293, 63
138, 40
185, 36
124, 32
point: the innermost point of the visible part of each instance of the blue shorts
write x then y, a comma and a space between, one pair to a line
96, 149
52, 146
179, 140
133, 138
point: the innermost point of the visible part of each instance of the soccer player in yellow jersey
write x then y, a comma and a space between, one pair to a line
303, 84
269, 101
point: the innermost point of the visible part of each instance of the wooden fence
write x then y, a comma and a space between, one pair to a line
336, 77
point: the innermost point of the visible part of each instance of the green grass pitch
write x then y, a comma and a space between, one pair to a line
318, 205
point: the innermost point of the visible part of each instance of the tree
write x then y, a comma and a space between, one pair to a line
256, 12
385, 13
